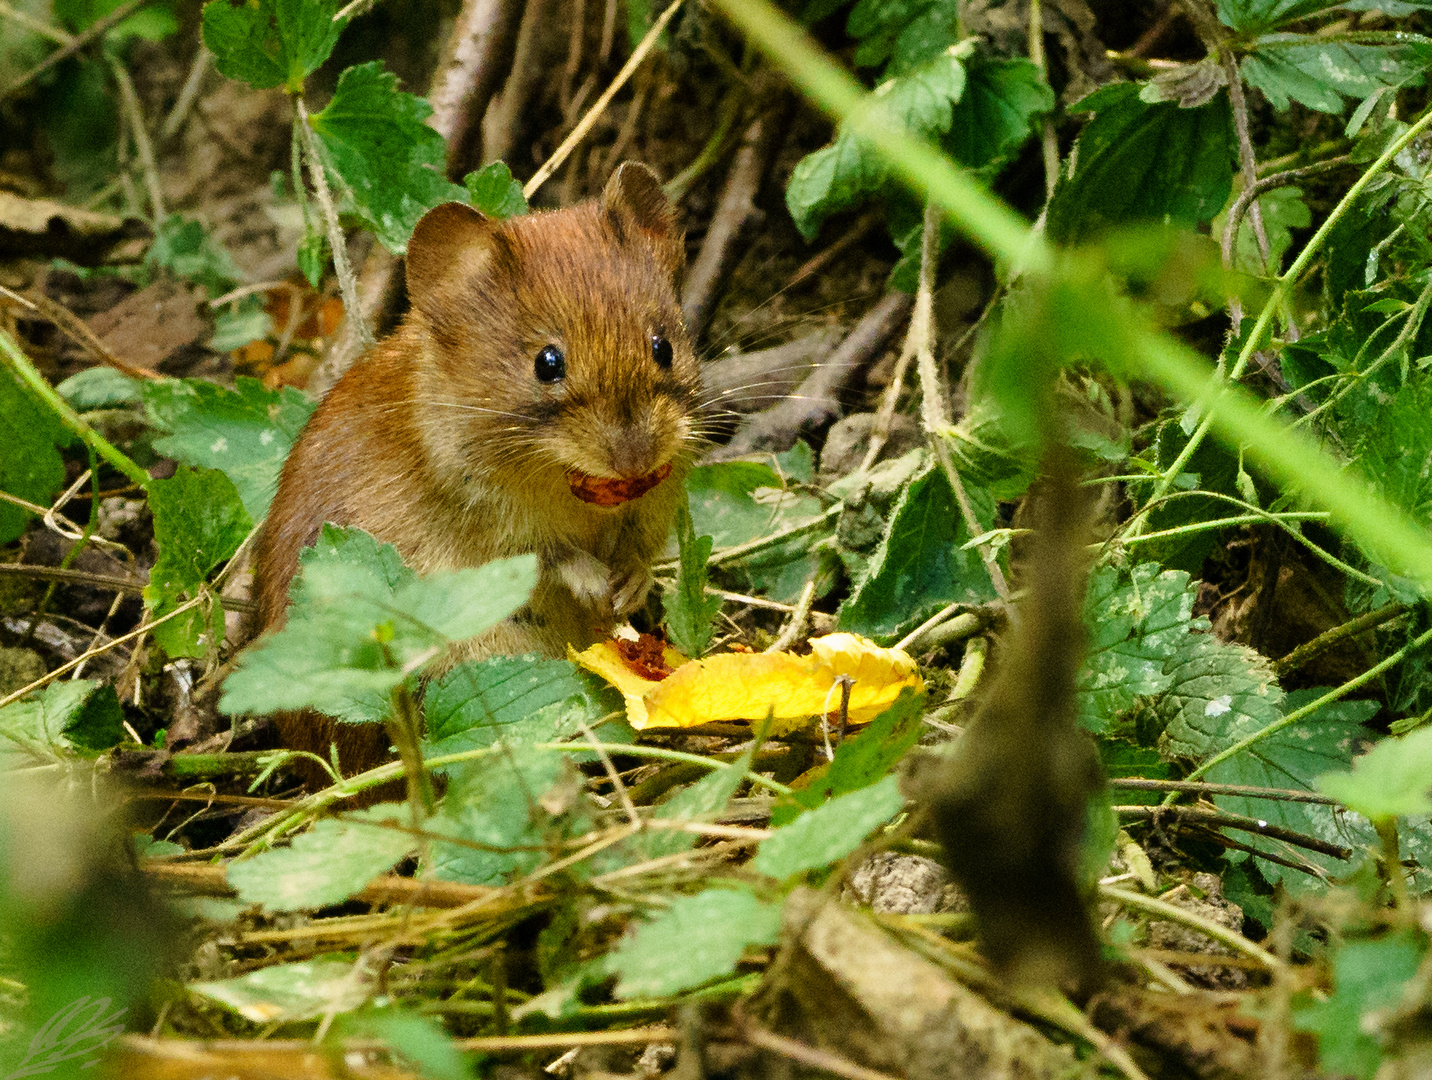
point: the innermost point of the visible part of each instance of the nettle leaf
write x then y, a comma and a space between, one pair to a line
689, 611
494, 191
271, 42
199, 521
1395, 448
99, 388
329, 863
506, 802
1391, 780
360, 622
1368, 978
186, 249
861, 761
75, 716
1142, 161
708, 931
1255, 15
1136, 626
995, 115
246, 432
30, 466
850, 170
921, 564
386, 156
821, 836
517, 700
1321, 72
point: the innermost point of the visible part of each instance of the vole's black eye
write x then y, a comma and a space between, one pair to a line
661, 351
550, 365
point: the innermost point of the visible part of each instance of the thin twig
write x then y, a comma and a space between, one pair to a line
601, 751
805, 1054
347, 282
38, 26
79, 332
553, 163
1200, 787
797, 624
148, 166
1336, 636
1172, 912
1219, 819
92, 32
188, 94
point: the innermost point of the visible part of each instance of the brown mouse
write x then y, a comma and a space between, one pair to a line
540, 396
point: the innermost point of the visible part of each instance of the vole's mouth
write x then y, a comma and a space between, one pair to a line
613, 491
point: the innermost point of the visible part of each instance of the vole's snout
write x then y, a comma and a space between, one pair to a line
633, 451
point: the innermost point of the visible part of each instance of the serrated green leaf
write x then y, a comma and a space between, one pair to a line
245, 432
289, 992
921, 564
387, 157
1323, 72
1136, 626
359, 621
849, 171
271, 42
688, 609
77, 716
1144, 162
186, 249
99, 388
708, 931
1255, 15
495, 192
329, 863
821, 836
1368, 977
1391, 780
995, 115
30, 466
240, 323
499, 801
199, 521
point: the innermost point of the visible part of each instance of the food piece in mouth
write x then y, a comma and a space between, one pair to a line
612, 490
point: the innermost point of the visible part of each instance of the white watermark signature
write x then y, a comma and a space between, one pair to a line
79, 1029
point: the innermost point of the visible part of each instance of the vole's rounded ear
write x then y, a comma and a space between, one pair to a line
633, 197
451, 243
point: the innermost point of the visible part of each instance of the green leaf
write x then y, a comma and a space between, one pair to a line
689, 611
495, 192
1144, 162
240, 323
1391, 780
1136, 626
920, 565
1257, 15
153, 21
30, 466
504, 802
271, 42
358, 623
185, 248
1283, 210
517, 700
387, 157
99, 388
700, 801
1321, 72
313, 255
861, 761
996, 114
288, 993
418, 1039
850, 170
1368, 976
708, 931
77, 716
821, 836
245, 432
1394, 448
329, 863
199, 522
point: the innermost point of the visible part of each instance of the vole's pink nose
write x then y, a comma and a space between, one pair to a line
632, 451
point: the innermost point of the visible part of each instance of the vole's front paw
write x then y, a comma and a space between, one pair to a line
586, 575
629, 588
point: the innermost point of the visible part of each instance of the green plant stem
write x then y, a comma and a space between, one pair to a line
25, 371
1283, 287
1217, 931
660, 754
1338, 634
1307, 710
1226, 523
1392, 857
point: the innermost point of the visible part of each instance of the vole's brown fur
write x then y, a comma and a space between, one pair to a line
444, 443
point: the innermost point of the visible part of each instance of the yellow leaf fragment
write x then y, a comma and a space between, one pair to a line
748, 686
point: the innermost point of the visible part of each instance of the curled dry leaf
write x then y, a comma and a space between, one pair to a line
747, 686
